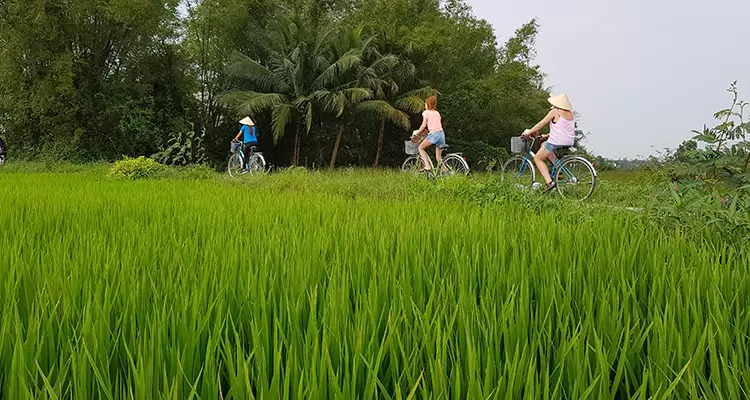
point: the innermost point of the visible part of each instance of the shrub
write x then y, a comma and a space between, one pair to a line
699, 209
136, 168
184, 148
721, 153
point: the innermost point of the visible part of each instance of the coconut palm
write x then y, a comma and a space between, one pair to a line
399, 94
294, 83
378, 73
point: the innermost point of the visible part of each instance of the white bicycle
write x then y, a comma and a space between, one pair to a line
256, 163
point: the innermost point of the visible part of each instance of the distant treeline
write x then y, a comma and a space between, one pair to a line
326, 81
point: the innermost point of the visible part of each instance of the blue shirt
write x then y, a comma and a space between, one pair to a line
248, 135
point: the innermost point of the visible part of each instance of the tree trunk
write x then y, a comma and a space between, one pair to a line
297, 139
380, 142
336, 145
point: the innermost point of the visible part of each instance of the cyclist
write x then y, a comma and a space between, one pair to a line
249, 139
431, 120
562, 135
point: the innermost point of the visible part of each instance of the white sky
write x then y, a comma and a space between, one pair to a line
641, 73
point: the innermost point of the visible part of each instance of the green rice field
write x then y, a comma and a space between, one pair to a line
358, 285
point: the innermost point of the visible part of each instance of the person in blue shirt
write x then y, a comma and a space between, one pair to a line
249, 139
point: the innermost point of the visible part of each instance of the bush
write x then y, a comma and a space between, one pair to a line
700, 209
136, 168
184, 148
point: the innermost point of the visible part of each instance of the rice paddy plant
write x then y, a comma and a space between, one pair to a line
211, 290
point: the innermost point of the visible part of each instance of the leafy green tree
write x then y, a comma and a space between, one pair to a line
98, 78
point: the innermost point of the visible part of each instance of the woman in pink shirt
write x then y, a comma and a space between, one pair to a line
431, 120
561, 135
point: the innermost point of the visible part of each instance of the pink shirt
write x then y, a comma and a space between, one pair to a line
432, 120
562, 132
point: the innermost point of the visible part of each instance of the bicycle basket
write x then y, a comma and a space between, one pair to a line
234, 148
517, 145
411, 148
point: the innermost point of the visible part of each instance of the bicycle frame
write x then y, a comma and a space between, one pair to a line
241, 155
529, 156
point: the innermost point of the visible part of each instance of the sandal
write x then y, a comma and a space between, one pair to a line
550, 186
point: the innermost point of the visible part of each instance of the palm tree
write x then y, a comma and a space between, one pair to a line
294, 83
395, 108
378, 73
350, 97
391, 103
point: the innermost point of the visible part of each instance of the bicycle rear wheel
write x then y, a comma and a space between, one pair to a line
518, 170
576, 178
453, 164
257, 164
234, 166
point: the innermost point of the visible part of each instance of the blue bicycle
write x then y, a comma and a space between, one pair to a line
575, 176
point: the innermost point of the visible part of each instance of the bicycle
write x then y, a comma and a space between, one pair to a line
256, 163
575, 176
450, 164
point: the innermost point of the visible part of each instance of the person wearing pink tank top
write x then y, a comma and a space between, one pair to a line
433, 122
562, 135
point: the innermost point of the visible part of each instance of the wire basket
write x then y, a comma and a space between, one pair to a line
411, 148
234, 147
517, 145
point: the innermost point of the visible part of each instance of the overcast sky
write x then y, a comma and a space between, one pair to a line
641, 73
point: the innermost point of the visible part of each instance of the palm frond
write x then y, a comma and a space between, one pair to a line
411, 105
251, 103
384, 64
423, 93
324, 39
327, 100
339, 68
356, 95
385, 111
243, 66
280, 118
309, 117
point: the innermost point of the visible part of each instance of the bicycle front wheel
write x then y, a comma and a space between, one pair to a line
453, 164
413, 165
576, 178
234, 167
518, 170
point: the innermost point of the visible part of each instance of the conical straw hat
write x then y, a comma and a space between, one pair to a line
561, 101
247, 121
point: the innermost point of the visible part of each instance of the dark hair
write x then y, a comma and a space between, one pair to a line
431, 103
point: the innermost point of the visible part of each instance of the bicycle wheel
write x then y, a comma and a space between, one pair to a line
235, 165
518, 170
576, 178
257, 164
413, 165
453, 164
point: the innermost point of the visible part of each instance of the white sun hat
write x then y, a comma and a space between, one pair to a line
561, 101
247, 121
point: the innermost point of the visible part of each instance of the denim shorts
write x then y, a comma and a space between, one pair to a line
554, 147
437, 138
